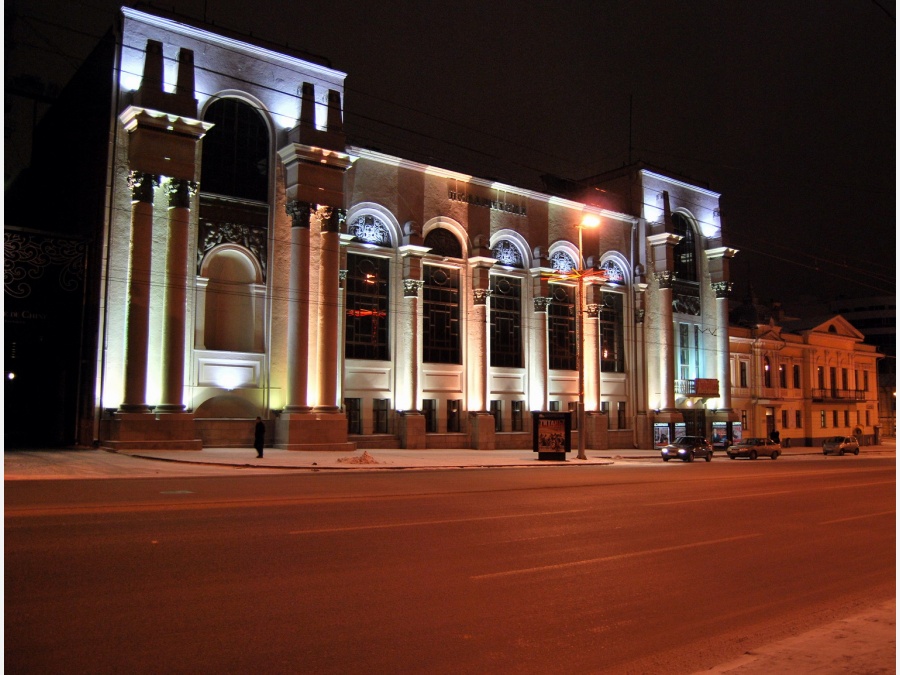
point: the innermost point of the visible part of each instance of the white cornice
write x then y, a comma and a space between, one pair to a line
679, 183
236, 45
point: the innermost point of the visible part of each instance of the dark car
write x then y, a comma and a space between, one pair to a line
686, 448
839, 445
754, 447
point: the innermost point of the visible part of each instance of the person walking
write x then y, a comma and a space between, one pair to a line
775, 437
259, 436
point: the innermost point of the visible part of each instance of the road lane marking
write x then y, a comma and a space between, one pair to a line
849, 518
445, 521
769, 494
609, 558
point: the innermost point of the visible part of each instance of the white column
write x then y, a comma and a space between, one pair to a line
328, 327
408, 358
723, 356
539, 370
590, 347
180, 193
477, 354
298, 310
667, 341
138, 311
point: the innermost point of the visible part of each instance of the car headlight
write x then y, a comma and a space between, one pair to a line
681, 451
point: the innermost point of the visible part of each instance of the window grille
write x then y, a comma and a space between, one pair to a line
440, 315
561, 328
506, 322
367, 305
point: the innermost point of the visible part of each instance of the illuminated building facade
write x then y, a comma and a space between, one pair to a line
246, 260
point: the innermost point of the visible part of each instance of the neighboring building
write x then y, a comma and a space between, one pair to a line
814, 380
876, 318
242, 259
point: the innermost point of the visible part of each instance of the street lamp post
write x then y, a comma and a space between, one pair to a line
591, 221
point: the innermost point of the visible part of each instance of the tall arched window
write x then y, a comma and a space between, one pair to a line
232, 246
236, 151
685, 250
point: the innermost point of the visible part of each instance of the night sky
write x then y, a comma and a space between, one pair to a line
787, 108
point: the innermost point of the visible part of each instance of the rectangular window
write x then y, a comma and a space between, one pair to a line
497, 412
684, 352
868, 420
612, 352
845, 379
453, 408
696, 364
517, 408
833, 373
561, 327
743, 419
506, 322
784, 419
429, 410
621, 421
743, 374
380, 415
834, 418
352, 408
554, 406
865, 380
798, 419
440, 315
797, 376
820, 376
782, 375
846, 418
366, 326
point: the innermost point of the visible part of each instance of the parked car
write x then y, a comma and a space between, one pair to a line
686, 448
839, 445
754, 447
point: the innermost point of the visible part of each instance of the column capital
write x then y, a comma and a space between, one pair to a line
540, 304
665, 279
299, 213
722, 288
592, 310
180, 192
481, 295
639, 316
411, 287
141, 185
332, 219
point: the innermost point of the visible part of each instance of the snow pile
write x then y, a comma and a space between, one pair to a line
364, 458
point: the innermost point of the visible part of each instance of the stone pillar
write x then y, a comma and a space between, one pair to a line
667, 341
138, 311
329, 339
478, 356
408, 357
723, 357
539, 369
180, 194
591, 363
298, 309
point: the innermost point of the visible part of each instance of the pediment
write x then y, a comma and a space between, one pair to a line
837, 326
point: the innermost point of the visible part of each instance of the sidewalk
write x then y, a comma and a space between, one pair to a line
386, 459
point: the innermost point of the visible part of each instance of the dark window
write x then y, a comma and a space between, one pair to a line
561, 343
743, 373
380, 415
621, 421
443, 243
440, 315
497, 412
685, 250
506, 322
367, 308
453, 408
517, 408
796, 377
554, 406
352, 408
798, 419
429, 410
236, 151
612, 353
767, 372
834, 418
782, 375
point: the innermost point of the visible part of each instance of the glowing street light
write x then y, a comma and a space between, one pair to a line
589, 220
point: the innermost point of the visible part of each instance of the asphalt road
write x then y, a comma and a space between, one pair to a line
652, 569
